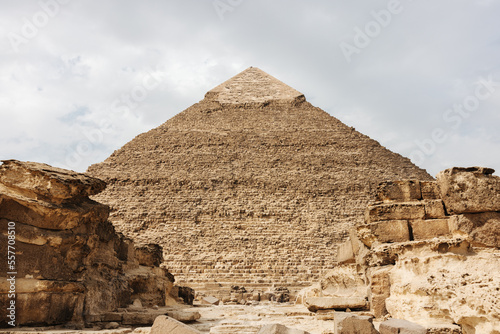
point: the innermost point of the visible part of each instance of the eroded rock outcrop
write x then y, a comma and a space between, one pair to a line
429, 253
70, 265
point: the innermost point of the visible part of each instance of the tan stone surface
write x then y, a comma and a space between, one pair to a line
345, 252
39, 181
150, 255
430, 190
397, 326
253, 86
394, 211
380, 285
429, 286
434, 209
469, 190
383, 232
399, 191
335, 303
430, 228
247, 193
349, 323
482, 228
164, 324
279, 329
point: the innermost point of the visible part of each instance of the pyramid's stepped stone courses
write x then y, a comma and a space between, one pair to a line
71, 266
251, 184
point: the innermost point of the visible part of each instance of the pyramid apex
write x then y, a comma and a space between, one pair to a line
253, 86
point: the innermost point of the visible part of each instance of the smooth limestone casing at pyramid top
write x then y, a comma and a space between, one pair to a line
252, 184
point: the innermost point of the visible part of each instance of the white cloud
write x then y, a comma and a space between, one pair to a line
62, 83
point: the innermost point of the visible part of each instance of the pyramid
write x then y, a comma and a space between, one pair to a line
252, 185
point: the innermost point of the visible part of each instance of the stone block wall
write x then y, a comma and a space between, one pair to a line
428, 252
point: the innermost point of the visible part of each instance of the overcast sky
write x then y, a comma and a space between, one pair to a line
79, 79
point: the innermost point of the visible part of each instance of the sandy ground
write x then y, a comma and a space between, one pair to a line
226, 319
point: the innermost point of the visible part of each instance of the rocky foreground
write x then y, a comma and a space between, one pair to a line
67, 264
425, 260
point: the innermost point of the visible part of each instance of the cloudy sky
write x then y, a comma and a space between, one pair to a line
79, 79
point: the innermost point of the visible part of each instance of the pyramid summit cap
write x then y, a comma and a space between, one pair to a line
253, 86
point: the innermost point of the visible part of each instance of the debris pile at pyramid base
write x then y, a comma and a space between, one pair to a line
67, 265
428, 252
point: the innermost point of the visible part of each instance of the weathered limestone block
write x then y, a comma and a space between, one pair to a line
164, 324
399, 191
28, 234
469, 190
210, 300
43, 302
150, 285
184, 316
49, 215
105, 290
483, 228
235, 329
149, 255
345, 252
325, 315
279, 329
349, 323
430, 228
434, 209
395, 211
399, 326
355, 242
335, 303
139, 318
41, 181
430, 190
443, 329
388, 254
343, 281
447, 286
384, 231
380, 285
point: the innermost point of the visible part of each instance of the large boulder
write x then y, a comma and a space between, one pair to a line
41, 181
383, 231
399, 326
150, 255
314, 304
394, 211
399, 191
469, 190
482, 228
349, 323
164, 324
279, 329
